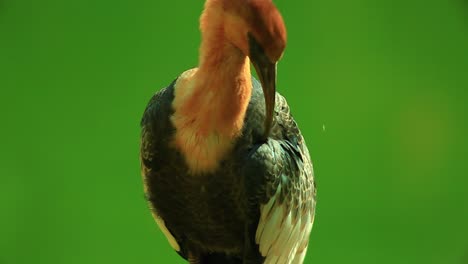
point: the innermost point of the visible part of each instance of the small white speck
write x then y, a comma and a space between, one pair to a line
323, 127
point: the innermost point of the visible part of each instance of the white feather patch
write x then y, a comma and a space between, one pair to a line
170, 238
159, 221
299, 257
282, 237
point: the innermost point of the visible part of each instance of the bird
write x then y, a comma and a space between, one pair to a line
226, 171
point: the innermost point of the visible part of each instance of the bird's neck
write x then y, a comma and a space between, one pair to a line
225, 82
211, 102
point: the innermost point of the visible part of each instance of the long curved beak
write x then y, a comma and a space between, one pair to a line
266, 71
267, 75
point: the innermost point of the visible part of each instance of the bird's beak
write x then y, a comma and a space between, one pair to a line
266, 71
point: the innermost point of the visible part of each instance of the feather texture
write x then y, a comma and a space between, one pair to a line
257, 207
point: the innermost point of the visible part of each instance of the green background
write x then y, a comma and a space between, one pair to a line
379, 89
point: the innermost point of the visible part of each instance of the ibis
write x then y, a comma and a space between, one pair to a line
226, 170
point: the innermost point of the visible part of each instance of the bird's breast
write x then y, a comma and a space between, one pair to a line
208, 116
206, 210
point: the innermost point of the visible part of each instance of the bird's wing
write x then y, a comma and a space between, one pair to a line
287, 196
154, 111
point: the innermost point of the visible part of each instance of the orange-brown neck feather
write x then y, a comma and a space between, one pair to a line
211, 101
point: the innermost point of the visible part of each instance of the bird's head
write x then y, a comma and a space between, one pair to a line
257, 29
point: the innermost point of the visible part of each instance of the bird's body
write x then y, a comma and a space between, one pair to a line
224, 185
